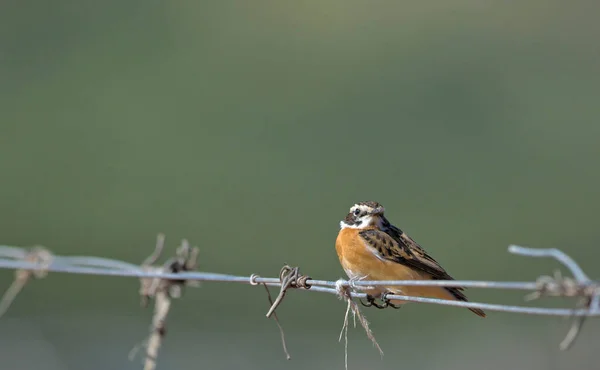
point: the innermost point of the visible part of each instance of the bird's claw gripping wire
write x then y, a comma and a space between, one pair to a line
386, 301
371, 302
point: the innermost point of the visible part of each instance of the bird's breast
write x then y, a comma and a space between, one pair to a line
356, 259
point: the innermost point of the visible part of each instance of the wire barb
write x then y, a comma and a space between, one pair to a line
578, 286
289, 277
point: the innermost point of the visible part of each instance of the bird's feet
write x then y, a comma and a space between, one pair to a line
385, 302
371, 302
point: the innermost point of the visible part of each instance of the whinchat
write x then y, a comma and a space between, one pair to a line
370, 247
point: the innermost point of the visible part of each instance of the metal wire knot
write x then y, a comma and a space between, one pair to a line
290, 278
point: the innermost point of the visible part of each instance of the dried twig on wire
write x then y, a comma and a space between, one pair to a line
344, 293
162, 291
38, 256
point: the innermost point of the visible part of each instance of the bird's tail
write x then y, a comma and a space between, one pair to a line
477, 312
460, 296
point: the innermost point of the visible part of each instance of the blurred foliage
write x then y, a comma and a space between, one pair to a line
250, 128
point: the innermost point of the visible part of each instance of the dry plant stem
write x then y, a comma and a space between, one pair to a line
161, 310
21, 279
344, 332
592, 304
162, 291
573, 332
344, 293
158, 249
37, 255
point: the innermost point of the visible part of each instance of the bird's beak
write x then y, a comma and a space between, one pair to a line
377, 211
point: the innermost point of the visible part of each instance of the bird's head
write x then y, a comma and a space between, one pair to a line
364, 214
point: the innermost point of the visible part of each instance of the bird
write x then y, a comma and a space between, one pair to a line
370, 247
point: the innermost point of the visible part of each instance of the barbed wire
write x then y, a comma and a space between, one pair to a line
88, 265
165, 282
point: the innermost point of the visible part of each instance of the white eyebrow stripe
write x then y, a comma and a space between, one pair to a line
362, 208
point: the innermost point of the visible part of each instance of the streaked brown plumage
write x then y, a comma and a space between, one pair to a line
369, 247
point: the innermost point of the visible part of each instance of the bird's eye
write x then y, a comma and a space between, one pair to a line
356, 212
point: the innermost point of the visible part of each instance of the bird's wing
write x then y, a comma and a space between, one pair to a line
396, 246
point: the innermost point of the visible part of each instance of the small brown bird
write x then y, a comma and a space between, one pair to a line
371, 248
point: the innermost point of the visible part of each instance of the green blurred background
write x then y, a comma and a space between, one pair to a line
250, 128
